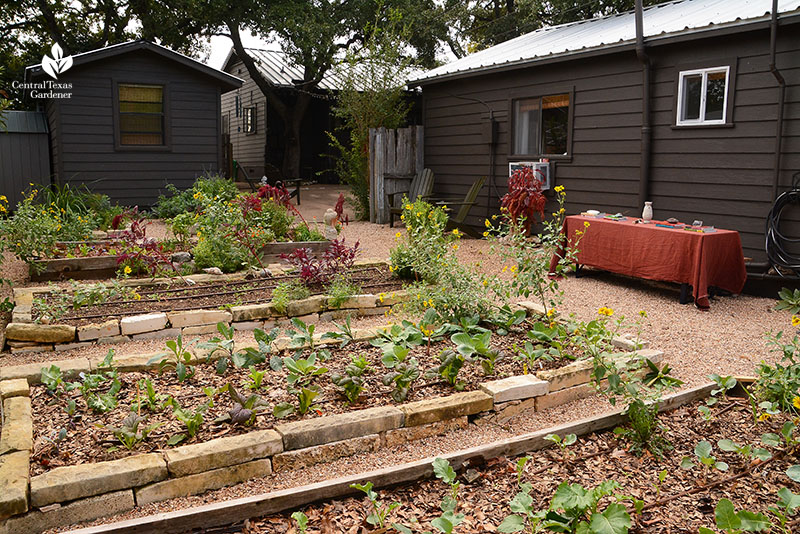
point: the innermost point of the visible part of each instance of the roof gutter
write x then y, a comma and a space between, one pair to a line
647, 129
773, 45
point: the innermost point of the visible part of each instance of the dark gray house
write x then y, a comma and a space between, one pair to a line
138, 116
704, 120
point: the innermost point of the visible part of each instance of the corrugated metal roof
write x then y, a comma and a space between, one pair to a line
24, 122
660, 20
279, 68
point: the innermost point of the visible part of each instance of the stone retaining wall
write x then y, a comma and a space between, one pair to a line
23, 335
66, 495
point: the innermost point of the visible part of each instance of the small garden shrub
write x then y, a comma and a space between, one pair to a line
209, 187
216, 251
341, 289
287, 292
428, 254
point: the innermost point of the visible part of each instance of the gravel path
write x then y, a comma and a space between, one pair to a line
727, 339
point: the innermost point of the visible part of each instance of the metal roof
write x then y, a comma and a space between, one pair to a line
24, 122
227, 81
660, 20
279, 69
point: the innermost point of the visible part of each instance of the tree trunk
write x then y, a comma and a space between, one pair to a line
292, 130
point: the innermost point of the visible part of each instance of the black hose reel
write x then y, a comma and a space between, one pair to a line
777, 244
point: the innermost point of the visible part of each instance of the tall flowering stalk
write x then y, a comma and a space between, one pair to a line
530, 257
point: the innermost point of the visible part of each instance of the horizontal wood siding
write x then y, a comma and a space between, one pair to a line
248, 149
722, 176
84, 139
24, 159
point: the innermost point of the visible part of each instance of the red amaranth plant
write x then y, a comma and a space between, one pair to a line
315, 271
524, 198
280, 194
140, 249
339, 209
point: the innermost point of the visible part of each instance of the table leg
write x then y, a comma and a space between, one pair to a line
685, 294
578, 268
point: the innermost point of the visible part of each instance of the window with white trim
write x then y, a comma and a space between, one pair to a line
703, 96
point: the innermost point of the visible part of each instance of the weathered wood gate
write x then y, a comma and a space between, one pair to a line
391, 152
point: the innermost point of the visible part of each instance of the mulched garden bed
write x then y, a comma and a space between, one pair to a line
180, 296
685, 502
86, 441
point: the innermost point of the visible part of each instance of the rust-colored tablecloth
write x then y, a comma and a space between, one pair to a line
668, 254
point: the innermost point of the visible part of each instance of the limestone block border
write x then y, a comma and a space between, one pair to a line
196, 468
23, 335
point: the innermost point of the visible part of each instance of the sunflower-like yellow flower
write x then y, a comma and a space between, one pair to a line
795, 320
551, 312
796, 402
608, 312
586, 224
127, 269
487, 223
398, 235
559, 188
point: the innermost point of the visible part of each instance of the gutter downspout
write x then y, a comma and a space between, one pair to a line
647, 130
773, 44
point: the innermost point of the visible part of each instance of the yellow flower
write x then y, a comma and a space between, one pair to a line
3, 198
487, 223
494, 217
586, 224
558, 188
409, 207
764, 417
455, 247
796, 402
505, 268
398, 235
642, 313
485, 234
551, 312
485, 283
444, 207
513, 268
561, 210
127, 269
795, 320
456, 232
382, 296
608, 312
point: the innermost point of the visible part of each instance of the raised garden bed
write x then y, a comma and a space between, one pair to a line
168, 307
100, 264
223, 454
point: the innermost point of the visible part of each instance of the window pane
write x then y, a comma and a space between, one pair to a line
141, 139
526, 126
139, 123
715, 96
555, 124
141, 93
140, 107
690, 107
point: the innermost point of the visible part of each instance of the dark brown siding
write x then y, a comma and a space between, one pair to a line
720, 175
82, 129
248, 149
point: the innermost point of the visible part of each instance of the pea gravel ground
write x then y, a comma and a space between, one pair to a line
727, 339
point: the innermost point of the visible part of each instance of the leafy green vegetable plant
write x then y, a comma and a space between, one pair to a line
131, 432
563, 443
378, 510
302, 522
192, 420
301, 374
450, 363
785, 508
479, 348
732, 522
724, 385
401, 376
344, 333
702, 452
450, 518
152, 401
178, 357
245, 409
747, 451
505, 319
351, 381
789, 300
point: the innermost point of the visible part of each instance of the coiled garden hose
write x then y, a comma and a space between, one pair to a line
776, 243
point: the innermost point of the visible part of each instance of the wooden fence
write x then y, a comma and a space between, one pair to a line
24, 154
391, 152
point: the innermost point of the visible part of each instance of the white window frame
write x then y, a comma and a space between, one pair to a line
701, 120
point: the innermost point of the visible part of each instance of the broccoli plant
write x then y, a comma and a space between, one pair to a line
702, 452
378, 510
401, 377
178, 356
450, 363
505, 319
732, 522
477, 347
302, 372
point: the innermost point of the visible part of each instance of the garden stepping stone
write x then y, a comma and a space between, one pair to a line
85, 480
450, 407
42, 333
143, 323
14, 482
222, 452
202, 482
17, 433
94, 331
321, 430
515, 387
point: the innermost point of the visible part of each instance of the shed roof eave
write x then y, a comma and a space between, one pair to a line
657, 40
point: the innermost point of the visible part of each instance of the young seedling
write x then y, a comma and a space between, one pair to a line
301, 374
786, 507
703, 453
785, 440
394, 355
352, 381
178, 357
132, 431
732, 522
405, 335
378, 511
562, 443
256, 378
662, 476
245, 409
344, 335
153, 401
747, 451
192, 420
302, 522
402, 376
724, 385
521, 463
532, 356
505, 319
450, 364
705, 413
302, 337
479, 348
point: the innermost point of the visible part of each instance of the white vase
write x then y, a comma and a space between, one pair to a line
647, 212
